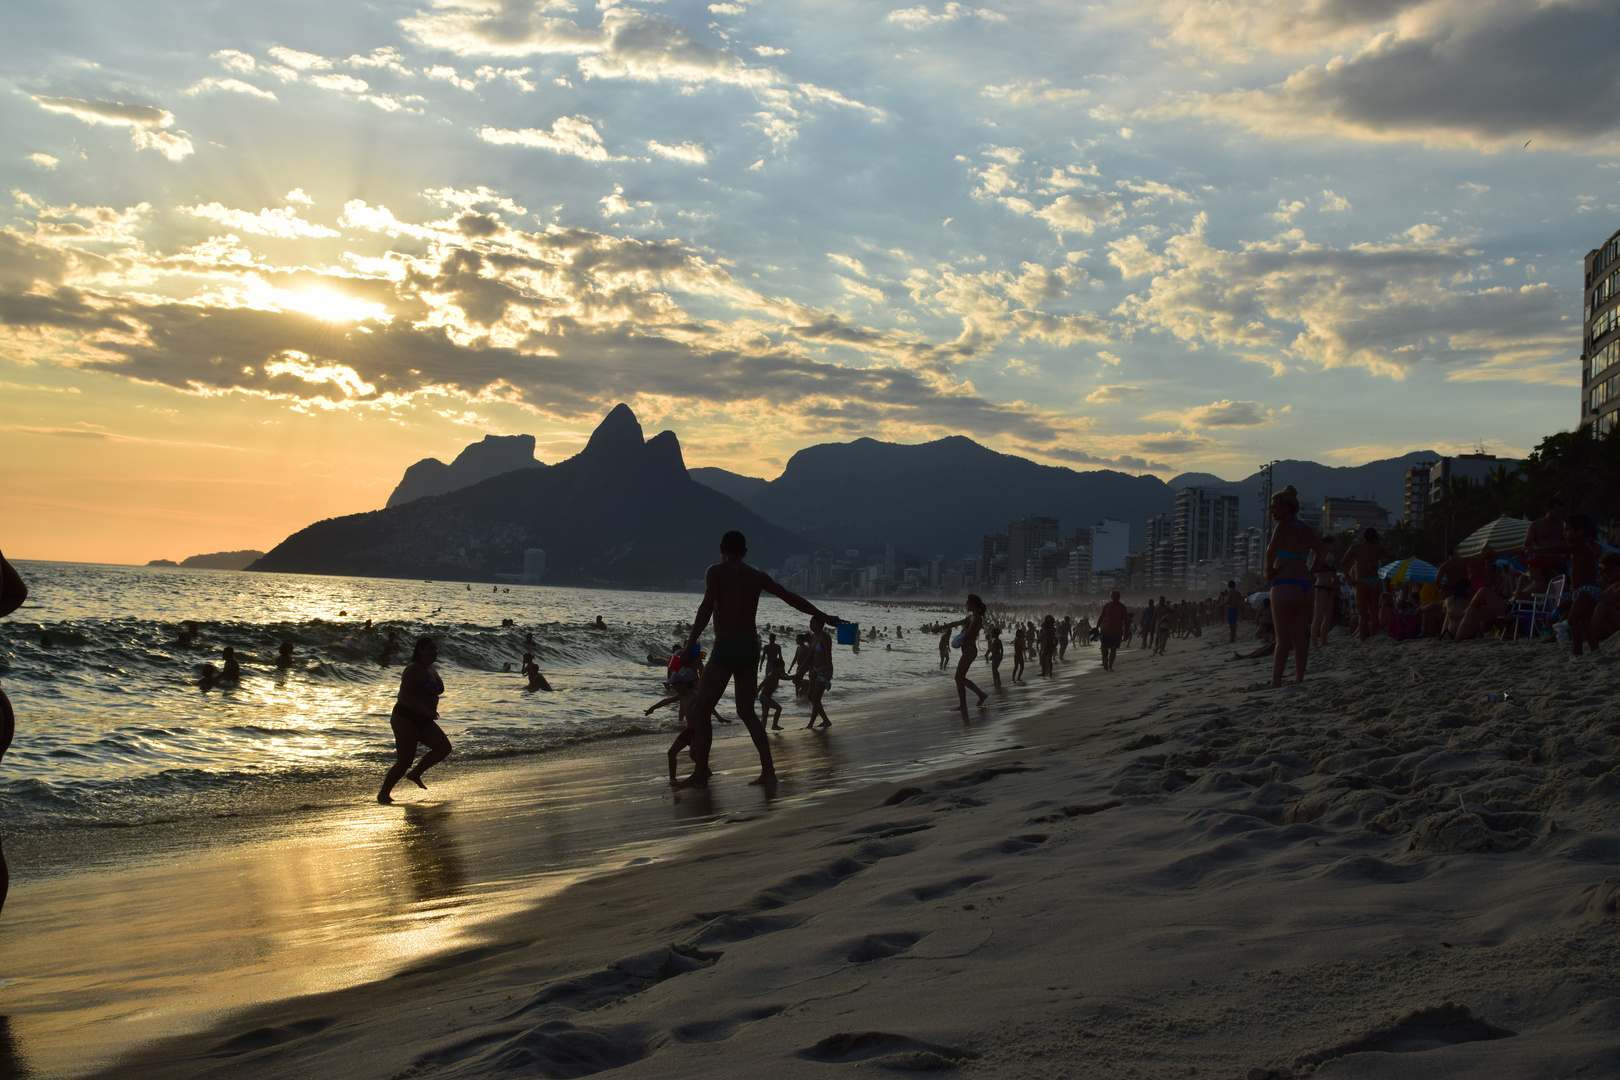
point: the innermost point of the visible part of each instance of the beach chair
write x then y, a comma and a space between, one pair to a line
1535, 613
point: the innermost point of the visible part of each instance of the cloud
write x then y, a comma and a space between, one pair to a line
1106, 394
628, 44
234, 60
446, 73
282, 223
690, 152
1487, 75
1385, 307
299, 61
558, 321
1224, 413
1134, 258
1080, 213
1233, 30
44, 161
574, 135
233, 86
347, 84
849, 262
145, 122
1029, 93
915, 18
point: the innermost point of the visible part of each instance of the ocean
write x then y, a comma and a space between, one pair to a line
113, 729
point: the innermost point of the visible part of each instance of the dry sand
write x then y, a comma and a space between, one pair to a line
1180, 873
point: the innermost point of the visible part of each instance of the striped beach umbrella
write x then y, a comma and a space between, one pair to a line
1404, 570
1503, 534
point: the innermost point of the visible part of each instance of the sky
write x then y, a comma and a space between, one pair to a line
257, 259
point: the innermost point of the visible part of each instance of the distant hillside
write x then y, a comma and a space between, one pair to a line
223, 560
495, 455
941, 497
623, 511
739, 487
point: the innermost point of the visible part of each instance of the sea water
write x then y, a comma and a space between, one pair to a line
113, 728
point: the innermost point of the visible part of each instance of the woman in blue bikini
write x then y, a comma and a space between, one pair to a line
1292, 542
1361, 562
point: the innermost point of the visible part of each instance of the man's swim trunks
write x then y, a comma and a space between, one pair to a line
1231, 616
736, 654
1109, 641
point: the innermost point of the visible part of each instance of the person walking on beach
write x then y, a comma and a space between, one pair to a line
1018, 654
1292, 543
1047, 639
821, 670
1361, 566
1149, 623
1112, 625
1326, 592
12, 594
992, 654
771, 655
1232, 600
767, 694
416, 719
971, 625
731, 590
945, 647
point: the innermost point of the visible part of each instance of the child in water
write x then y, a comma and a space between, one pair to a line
682, 696
531, 671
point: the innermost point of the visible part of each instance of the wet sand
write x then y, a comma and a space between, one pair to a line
198, 919
1179, 872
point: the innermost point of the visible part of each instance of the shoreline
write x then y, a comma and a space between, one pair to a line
390, 885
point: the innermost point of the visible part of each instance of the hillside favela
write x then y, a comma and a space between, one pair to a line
668, 539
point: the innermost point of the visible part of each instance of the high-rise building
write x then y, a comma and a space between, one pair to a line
1204, 527
1110, 541
993, 559
1158, 553
1600, 337
1471, 467
1024, 542
1340, 514
1416, 503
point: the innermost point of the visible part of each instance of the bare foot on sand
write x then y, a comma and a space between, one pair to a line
417, 780
696, 780
767, 779
385, 798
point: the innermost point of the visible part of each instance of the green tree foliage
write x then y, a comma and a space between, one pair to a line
1581, 467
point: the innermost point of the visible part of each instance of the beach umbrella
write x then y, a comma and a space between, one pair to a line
1404, 570
1259, 596
1504, 534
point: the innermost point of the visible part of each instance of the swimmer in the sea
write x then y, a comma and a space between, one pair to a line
531, 671
285, 658
233, 670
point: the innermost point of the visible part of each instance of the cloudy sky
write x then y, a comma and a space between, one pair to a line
256, 259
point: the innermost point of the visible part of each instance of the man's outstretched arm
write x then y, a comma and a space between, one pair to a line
704, 612
12, 590
793, 599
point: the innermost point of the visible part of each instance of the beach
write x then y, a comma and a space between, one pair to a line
1174, 871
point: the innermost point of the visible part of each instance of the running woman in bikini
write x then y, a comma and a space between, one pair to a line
731, 590
1292, 542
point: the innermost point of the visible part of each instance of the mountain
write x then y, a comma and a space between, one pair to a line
497, 454
739, 487
941, 497
623, 512
223, 560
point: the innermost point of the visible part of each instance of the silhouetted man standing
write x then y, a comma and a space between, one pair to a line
731, 591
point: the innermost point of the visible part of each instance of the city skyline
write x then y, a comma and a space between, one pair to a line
255, 263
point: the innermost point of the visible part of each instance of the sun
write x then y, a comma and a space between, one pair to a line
334, 306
